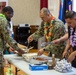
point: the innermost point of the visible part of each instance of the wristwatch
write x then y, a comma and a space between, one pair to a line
44, 49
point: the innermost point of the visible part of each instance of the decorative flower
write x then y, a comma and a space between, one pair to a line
48, 29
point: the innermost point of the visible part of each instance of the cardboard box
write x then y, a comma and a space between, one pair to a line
38, 67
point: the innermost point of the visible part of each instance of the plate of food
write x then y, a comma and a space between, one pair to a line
38, 60
33, 58
29, 56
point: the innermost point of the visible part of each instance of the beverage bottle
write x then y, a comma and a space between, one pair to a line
52, 64
53, 60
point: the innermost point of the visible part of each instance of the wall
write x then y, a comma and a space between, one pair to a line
74, 5
25, 11
53, 6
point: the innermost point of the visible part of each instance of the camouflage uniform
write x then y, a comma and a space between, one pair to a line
5, 38
57, 32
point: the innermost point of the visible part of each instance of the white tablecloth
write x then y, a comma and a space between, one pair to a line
20, 63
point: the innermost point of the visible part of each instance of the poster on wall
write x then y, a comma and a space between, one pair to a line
3, 3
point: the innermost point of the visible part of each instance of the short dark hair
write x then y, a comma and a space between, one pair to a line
7, 8
70, 14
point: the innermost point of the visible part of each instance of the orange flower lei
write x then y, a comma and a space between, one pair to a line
48, 29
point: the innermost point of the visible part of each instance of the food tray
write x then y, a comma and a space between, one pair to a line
34, 59
29, 56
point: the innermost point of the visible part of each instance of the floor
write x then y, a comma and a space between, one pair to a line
12, 67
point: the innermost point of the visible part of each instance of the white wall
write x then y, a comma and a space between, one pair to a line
74, 5
53, 6
25, 11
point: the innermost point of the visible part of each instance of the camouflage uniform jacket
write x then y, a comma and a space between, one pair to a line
57, 32
4, 35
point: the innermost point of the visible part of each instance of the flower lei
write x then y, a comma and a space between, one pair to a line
48, 29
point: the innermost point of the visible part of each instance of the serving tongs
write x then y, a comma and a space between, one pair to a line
28, 47
25, 50
64, 58
45, 43
22, 51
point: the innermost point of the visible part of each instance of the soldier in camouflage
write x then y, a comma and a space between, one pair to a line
5, 37
52, 29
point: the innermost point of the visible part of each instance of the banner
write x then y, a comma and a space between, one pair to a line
43, 3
